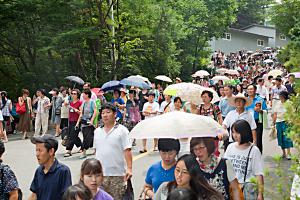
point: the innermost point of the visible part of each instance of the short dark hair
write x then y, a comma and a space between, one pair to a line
91, 166
270, 77
243, 128
109, 106
176, 99
132, 92
151, 93
254, 86
88, 92
77, 190
209, 93
284, 94
260, 80
278, 78
119, 92
168, 144
55, 90
43, 91
208, 142
2, 148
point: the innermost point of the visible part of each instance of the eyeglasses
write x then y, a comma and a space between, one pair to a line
200, 148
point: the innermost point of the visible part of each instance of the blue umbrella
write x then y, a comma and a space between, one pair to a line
111, 85
135, 81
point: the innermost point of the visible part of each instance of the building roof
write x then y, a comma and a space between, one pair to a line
245, 32
258, 25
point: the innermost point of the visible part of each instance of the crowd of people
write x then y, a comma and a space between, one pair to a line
190, 168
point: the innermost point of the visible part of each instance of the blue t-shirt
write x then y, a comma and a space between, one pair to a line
52, 185
156, 175
121, 102
257, 99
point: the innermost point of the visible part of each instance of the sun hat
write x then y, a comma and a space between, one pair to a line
46, 138
231, 100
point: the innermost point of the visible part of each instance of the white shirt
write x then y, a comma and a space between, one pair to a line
168, 109
238, 158
1, 116
280, 110
151, 107
65, 109
233, 116
42, 102
263, 92
110, 149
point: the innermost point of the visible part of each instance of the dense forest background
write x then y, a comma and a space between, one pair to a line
41, 42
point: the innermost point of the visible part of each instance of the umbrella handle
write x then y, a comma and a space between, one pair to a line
74, 85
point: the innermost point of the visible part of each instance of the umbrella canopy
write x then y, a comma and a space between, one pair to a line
111, 85
163, 78
97, 91
217, 78
221, 70
75, 79
249, 52
275, 73
200, 73
190, 92
177, 125
145, 79
268, 61
135, 81
232, 72
267, 51
296, 74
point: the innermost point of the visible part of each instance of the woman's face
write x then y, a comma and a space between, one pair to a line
92, 181
222, 93
236, 136
205, 98
182, 175
177, 105
201, 152
168, 157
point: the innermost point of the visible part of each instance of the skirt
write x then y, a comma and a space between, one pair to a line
283, 141
24, 122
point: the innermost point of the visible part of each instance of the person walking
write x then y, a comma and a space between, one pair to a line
9, 187
51, 178
275, 92
246, 160
73, 130
113, 150
88, 113
223, 105
257, 107
240, 102
56, 104
42, 112
25, 118
150, 109
281, 125
6, 108
119, 103
65, 108
162, 171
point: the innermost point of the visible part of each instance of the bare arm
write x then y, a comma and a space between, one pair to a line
79, 118
260, 181
148, 190
235, 186
220, 119
274, 117
128, 159
13, 195
254, 136
32, 196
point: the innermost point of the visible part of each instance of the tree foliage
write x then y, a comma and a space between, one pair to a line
43, 41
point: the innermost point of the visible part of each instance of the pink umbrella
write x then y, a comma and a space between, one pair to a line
97, 91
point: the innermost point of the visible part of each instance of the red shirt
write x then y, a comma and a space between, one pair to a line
73, 116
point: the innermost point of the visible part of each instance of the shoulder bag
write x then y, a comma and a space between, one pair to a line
21, 109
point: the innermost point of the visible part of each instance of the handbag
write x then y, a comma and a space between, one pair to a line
57, 111
134, 114
129, 195
20, 109
64, 136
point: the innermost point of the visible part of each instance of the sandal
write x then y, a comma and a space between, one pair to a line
143, 151
68, 154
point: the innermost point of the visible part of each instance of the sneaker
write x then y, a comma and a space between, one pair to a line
82, 157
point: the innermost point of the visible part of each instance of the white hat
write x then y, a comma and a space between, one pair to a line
231, 101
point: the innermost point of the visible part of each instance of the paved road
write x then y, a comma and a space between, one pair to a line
20, 155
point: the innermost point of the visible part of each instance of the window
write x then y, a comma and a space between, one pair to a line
226, 36
260, 42
282, 37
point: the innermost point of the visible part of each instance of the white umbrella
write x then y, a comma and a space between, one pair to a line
268, 61
275, 73
177, 125
221, 70
249, 52
190, 92
232, 72
145, 79
163, 78
200, 73
222, 78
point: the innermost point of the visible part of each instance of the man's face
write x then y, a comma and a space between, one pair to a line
116, 95
261, 83
239, 103
108, 116
278, 83
42, 154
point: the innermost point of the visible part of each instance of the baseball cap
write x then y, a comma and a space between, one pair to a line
47, 138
